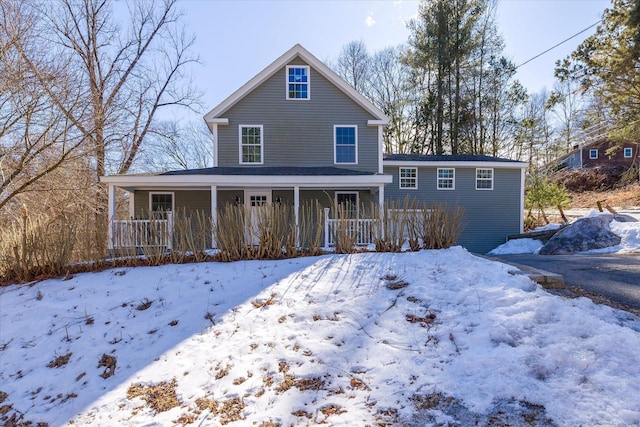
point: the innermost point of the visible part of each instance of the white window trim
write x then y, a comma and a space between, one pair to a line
286, 78
173, 199
453, 187
335, 145
591, 151
485, 179
627, 150
240, 127
415, 187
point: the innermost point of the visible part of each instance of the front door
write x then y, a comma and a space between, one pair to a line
254, 201
255, 198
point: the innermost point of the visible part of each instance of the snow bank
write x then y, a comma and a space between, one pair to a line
342, 339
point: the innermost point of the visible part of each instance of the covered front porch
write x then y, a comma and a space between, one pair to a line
154, 200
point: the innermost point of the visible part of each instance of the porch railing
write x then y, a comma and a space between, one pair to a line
362, 230
140, 233
359, 229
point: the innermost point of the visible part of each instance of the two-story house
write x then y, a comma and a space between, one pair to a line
297, 132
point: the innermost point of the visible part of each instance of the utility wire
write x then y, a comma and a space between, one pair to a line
555, 46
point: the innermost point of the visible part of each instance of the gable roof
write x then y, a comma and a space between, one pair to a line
277, 65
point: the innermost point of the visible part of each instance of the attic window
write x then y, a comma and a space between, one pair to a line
297, 82
628, 152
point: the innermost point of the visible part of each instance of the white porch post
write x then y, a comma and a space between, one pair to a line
214, 214
296, 210
326, 228
111, 213
381, 206
132, 205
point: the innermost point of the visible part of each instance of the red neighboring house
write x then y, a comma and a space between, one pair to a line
600, 153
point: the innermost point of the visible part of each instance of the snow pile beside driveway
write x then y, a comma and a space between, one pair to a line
628, 232
412, 338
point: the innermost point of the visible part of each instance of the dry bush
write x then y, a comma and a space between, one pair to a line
345, 232
31, 248
160, 397
395, 224
191, 236
311, 228
441, 225
229, 233
595, 179
272, 228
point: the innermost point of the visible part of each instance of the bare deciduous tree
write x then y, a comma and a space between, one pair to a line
109, 81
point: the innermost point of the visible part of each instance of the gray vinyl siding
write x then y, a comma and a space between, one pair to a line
490, 215
298, 132
189, 200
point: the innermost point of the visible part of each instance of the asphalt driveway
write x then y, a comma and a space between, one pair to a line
613, 276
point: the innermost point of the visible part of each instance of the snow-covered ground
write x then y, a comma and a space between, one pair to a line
425, 338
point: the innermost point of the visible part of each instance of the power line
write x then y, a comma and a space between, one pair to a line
555, 46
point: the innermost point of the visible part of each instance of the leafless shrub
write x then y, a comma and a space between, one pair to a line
30, 248
441, 225
389, 226
272, 228
345, 232
229, 233
191, 236
153, 244
311, 228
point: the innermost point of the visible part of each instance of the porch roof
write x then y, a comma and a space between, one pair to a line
251, 176
270, 171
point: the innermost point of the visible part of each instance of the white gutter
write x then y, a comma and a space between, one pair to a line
313, 181
459, 164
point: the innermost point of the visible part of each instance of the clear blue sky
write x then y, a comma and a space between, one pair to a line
237, 39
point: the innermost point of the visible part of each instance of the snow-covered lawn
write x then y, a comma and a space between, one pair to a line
365, 339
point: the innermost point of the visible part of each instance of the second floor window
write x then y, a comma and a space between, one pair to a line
251, 147
297, 82
346, 144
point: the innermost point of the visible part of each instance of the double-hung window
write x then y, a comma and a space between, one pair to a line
484, 179
160, 204
628, 152
446, 179
408, 178
346, 144
251, 144
297, 82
